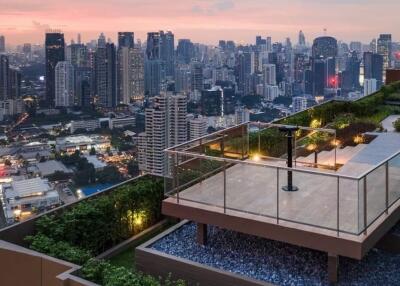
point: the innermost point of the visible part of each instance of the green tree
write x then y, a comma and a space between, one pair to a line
109, 174
133, 168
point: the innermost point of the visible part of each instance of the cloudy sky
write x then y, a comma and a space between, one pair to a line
204, 21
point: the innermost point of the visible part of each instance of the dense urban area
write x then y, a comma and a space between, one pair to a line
89, 129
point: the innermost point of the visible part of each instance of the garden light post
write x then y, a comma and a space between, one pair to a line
289, 130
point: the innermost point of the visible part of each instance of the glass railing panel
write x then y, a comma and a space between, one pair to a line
201, 181
315, 201
376, 193
348, 206
252, 188
235, 143
394, 179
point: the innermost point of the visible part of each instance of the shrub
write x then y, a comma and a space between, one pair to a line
103, 273
101, 222
396, 125
58, 249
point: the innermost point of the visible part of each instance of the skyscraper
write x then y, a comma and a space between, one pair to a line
324, 47
197, 127
165, 125
324, 53
64, 85
55, 47
105, 73
153, 77
269, 74
130, 74
185, 51
244, 70
137, 65
384, 48
168, 52
197, 76
302, 39
353, 67
2, 44
373, 67
4, 77
126, 39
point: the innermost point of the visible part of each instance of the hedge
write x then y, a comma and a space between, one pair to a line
103, 273
96, 224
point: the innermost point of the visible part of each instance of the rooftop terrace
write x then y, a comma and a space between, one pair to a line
347, 175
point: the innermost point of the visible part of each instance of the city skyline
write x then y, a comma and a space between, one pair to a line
202, 21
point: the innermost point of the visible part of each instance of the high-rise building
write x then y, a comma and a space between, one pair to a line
269, 74
153, 77
384, 48
185, 51
77, 55
182, 79
137, 77
4, 77
126, 39
130, 74
356, 46
197, 76
353, 68
299, 103
55, 52
153, 49
10, 80
165, 126
126, 43
245, 67
168, 52
84, 86
271, 92
197, 127
105, 74
370, 86
302, 39
160, 60
2, 44
64, 84
373, 67
324, 47
324, 53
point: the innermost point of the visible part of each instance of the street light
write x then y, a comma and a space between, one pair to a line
289, 134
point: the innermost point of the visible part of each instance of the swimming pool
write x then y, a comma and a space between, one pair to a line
89, 190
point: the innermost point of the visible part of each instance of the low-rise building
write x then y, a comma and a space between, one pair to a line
82, 143
88, 125
122, 122
47, 168
21, 198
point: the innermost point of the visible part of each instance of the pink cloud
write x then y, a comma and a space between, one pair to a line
202, 20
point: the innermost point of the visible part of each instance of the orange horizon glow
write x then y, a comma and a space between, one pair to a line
204, 21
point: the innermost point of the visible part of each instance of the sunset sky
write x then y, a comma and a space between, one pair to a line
204, 21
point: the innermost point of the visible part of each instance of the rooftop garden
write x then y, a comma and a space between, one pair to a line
94, 225
350, 120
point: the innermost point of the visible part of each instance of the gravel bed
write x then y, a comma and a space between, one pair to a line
276, 262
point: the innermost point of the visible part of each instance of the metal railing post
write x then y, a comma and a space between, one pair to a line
223, 145
242, 142
277, 195
338, 206
365, 205
177, 176
224, 186
387, 187
259, 139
